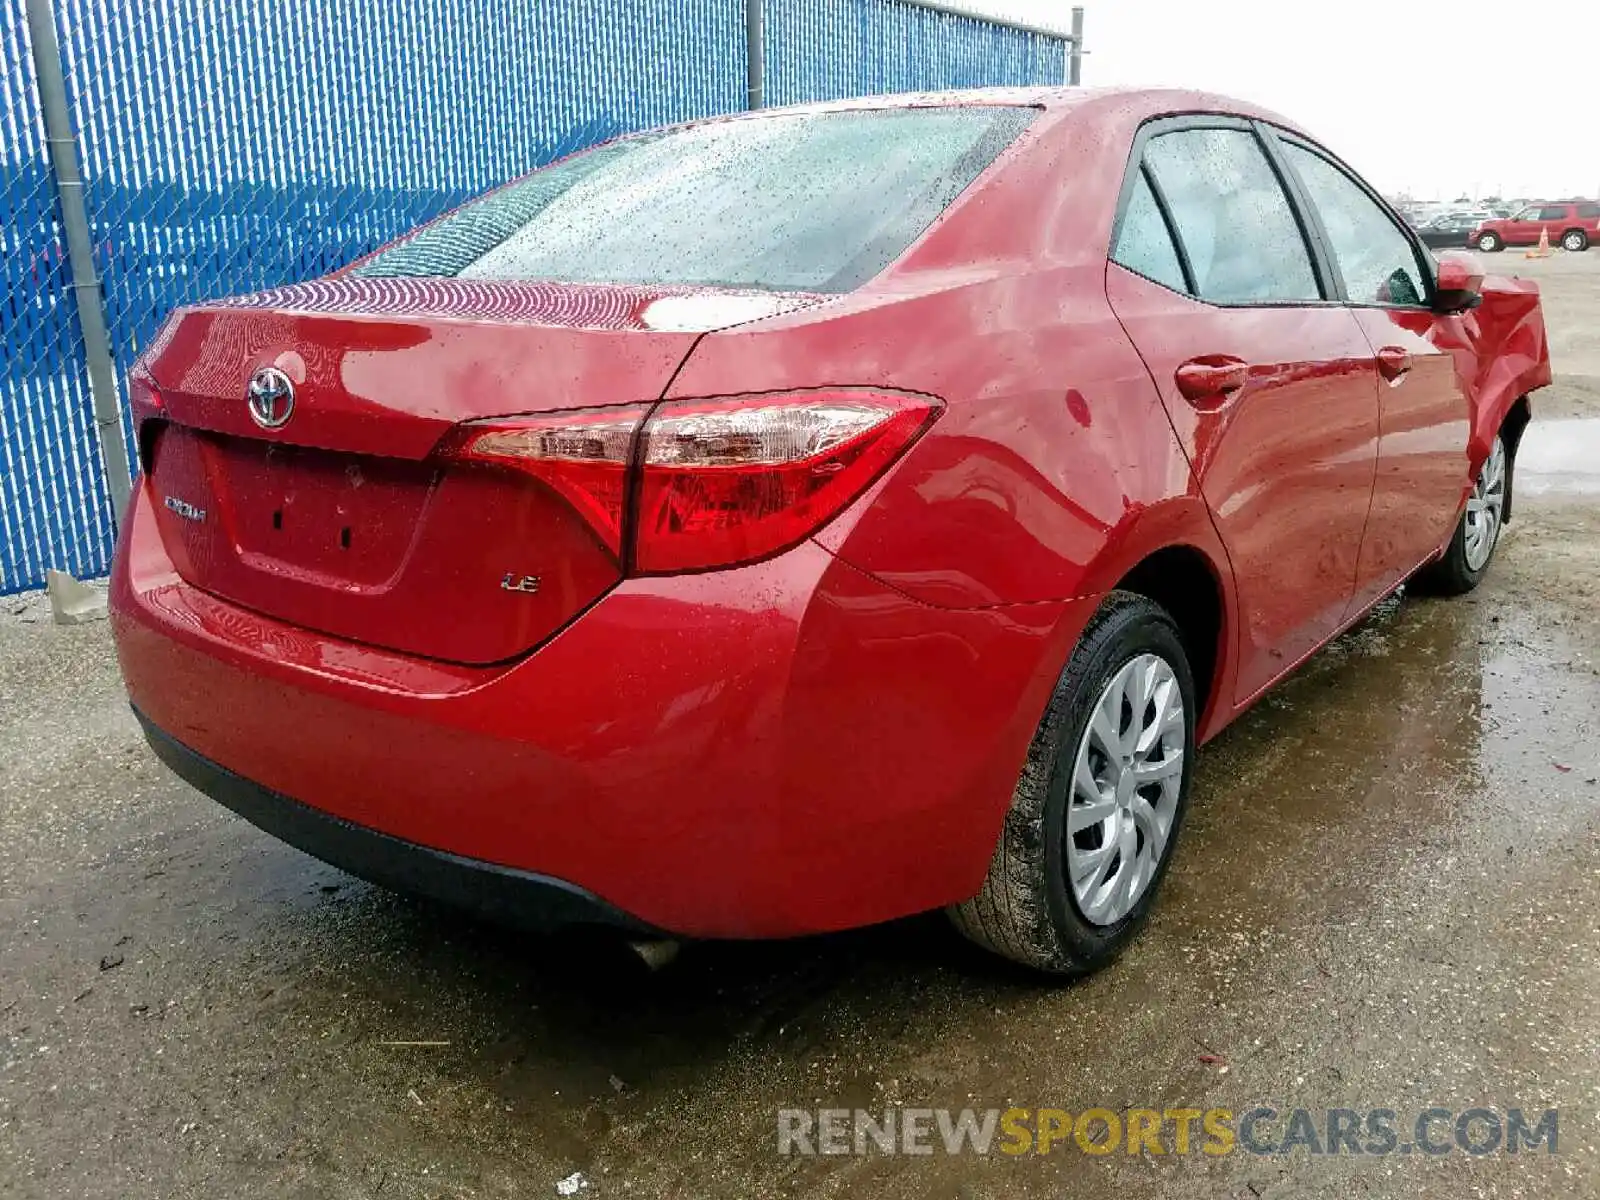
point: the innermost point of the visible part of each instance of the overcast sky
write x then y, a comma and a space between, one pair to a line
1435, 97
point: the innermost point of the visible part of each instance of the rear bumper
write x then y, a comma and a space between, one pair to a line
779, 749
500, 894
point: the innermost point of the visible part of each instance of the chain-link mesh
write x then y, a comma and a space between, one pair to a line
234, 147
53, 506
830, 49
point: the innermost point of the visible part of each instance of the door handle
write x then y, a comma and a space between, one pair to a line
1211, 380
1393, 363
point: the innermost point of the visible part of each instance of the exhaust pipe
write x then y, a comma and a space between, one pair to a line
655, 953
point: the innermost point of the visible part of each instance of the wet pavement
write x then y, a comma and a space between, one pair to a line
1388, 895
1560, 458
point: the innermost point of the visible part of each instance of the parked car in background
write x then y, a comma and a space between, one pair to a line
804, 518
1452, 229
1570, 224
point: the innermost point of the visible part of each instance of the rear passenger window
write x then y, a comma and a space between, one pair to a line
1553, 212
1377, 260
1235, 223
1144, 243
1589, 212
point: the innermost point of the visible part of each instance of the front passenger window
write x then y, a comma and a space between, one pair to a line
1377, 260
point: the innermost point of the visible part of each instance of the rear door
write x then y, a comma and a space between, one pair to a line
1424, 412
1270, 386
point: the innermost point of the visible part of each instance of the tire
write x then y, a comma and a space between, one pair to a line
1028, 910
1490, 243
1466, 560
1575, 240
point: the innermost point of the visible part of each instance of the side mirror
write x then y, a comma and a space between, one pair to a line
1460, 283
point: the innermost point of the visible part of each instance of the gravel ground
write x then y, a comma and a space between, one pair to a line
1388, 896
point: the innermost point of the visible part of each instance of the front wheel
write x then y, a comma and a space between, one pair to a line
1575, 240
1477, 534
1096, 813
1489, 243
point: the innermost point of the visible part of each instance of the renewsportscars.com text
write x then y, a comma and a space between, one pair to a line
1262, 1130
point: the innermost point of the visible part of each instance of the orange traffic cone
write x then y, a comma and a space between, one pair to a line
1542, 250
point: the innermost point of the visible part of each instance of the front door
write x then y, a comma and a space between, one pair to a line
1271, 389
1523, 229
1423, 410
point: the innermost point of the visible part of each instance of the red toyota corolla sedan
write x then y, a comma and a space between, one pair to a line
801, 519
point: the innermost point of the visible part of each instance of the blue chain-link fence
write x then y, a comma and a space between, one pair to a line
827, 49
234, 145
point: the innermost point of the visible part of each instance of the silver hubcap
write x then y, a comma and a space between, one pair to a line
1125, 786
1574, 242
1486, 243
1484, 507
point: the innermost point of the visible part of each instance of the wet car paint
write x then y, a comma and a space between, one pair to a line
624, 754
750, 733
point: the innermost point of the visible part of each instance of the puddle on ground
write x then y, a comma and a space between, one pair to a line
1560, 457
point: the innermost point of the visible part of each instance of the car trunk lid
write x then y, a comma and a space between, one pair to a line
346, 518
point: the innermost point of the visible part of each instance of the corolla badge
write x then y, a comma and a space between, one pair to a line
270, 397
183, 508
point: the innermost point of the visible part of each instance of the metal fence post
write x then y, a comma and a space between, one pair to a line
755, 48
1075, 50
80, 252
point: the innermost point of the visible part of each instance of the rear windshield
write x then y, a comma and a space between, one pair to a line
815, 202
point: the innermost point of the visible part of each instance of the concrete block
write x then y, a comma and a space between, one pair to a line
71, 602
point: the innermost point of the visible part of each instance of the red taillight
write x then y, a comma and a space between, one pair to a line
719, 481
730, 480
583, 456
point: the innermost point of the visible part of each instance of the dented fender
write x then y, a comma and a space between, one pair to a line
1511, 356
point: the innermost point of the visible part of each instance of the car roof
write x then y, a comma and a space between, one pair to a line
1139, 103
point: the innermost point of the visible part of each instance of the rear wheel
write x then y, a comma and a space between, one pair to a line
1490, 242
1574, 240
1466, 560
1096, 814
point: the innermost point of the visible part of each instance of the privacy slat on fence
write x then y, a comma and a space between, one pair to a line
230, 147
828, 49
53, 507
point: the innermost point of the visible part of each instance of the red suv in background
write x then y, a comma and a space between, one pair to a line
1571, 224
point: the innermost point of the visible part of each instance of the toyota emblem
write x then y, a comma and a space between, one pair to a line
271, 398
